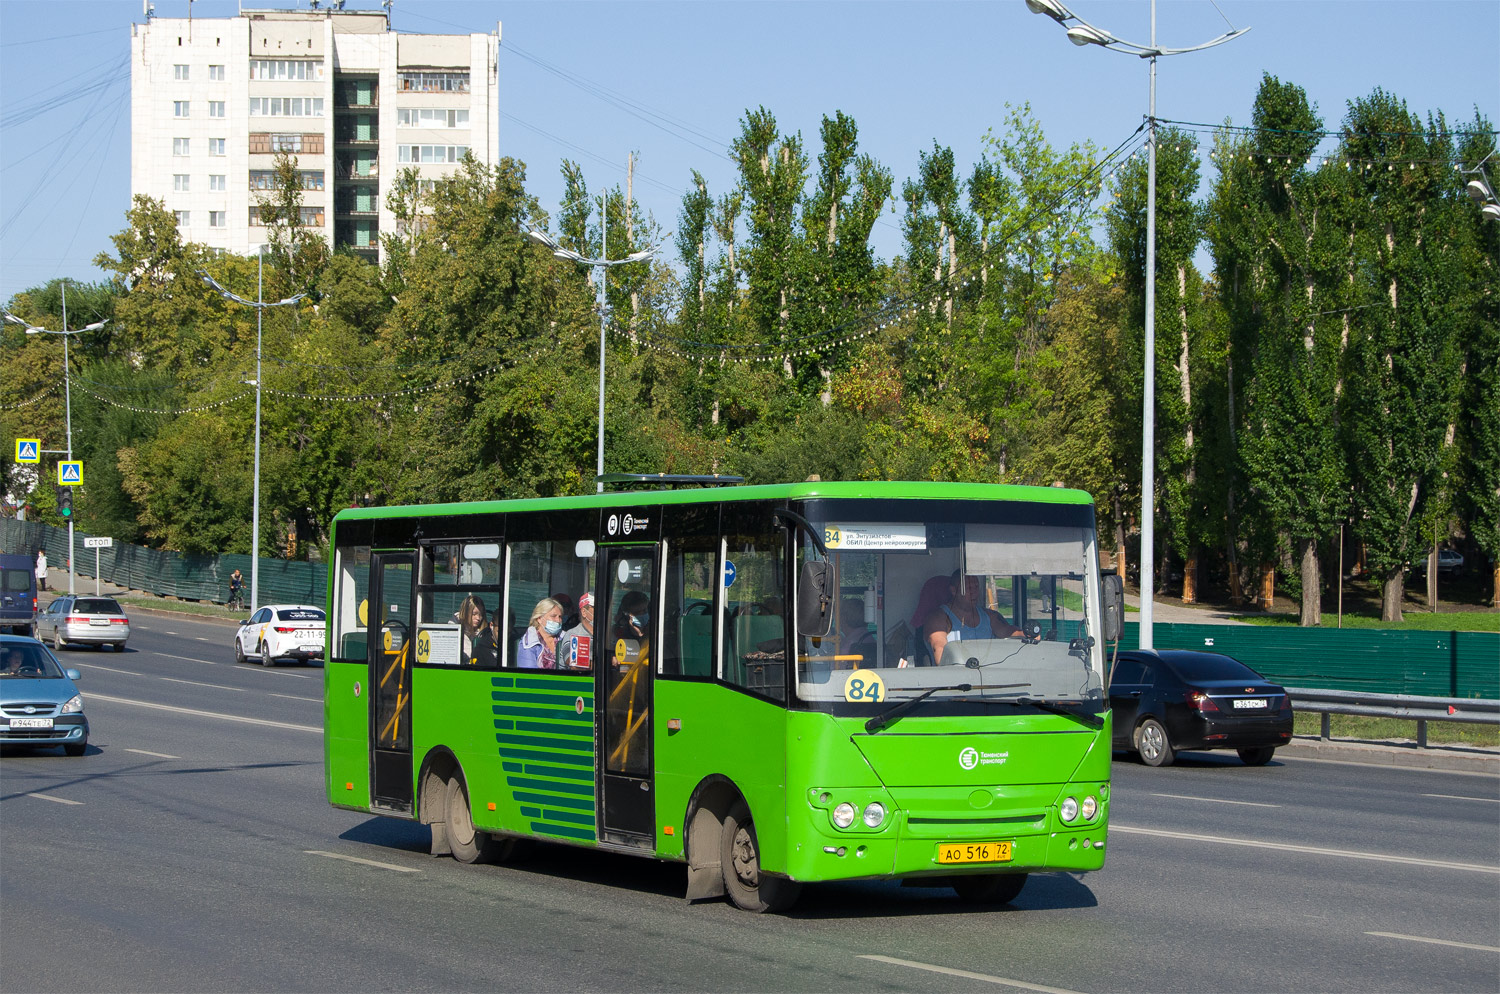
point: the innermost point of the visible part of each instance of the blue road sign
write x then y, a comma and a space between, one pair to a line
70, 473
29, 450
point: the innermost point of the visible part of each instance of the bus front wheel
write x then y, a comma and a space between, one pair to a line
739, 855
998, 888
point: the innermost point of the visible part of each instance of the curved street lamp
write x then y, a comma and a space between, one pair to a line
602, 264
260, 305
1081, 32
32, 329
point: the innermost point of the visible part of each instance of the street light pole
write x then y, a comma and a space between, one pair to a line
260, 304
602, 264
67, 395
1081, 32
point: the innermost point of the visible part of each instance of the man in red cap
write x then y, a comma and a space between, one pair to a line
575, 647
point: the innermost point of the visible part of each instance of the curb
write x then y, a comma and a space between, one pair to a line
1404, 755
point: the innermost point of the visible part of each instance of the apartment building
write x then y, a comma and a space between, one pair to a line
214, 100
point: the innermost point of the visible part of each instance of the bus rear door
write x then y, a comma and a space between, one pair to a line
392, 579
625, 667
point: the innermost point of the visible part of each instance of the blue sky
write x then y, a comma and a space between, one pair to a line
671, 81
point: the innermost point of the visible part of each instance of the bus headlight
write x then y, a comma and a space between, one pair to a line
874, 814
1068, 810
843, 815
1090, 807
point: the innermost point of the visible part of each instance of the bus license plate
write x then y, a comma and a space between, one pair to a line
974, 852
31, 723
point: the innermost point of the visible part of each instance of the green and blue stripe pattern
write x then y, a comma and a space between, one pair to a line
547, 751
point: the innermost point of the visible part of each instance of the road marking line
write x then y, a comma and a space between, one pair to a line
291, 697
109, 669
1460, 797
190, 659
362, 862
1280, 756
1312, 850
195, 683
1437, 942
1216, 800
54, 800
147, 752
207, 714
968, 975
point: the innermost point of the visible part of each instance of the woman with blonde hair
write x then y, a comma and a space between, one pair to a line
538, 647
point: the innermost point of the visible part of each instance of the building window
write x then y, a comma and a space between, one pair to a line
264, 143
434, 82
216, 219
216, 108
430, 153
216, 74
286, 106
180, 182
265, 179
217, 182
184, 218
312, 217
216, 146
181, 146
179, 108
431, 117
180, 71
267, 69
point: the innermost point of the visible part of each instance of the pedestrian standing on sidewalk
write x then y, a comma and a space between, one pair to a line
236, 590
41, 569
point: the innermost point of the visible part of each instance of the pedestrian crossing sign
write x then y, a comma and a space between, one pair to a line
29, 450
70, 473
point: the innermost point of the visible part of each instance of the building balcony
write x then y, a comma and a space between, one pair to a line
269, 143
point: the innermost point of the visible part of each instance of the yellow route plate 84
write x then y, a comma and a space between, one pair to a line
973, 852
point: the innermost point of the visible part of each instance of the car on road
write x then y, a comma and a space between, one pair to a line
281, 631
39, 705
1168, 700
76, 619
17, 593
1450, 561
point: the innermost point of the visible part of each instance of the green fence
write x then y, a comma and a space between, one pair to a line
169, 574
1425, 663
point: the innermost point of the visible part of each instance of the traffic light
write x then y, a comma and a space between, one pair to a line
65, 502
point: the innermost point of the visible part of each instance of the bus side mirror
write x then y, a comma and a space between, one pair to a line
815, 599
1113, 597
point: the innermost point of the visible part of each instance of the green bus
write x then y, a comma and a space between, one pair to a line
613, 671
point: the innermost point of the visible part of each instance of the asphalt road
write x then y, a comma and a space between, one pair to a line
192, 849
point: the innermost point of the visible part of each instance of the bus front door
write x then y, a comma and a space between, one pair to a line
392, 575
625, 667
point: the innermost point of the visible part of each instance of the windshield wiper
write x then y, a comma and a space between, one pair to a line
1088, 718
896, 710
883, 719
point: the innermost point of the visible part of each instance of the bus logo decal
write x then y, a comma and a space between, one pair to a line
968, 758
629, 525
613, 526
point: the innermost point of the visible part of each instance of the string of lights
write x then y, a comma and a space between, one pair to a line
47, 392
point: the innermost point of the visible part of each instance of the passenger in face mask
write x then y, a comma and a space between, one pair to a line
538, 647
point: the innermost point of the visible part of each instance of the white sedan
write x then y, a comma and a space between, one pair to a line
281, 631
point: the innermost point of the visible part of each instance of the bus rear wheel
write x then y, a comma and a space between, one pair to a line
467, 843
739, 855
997, 888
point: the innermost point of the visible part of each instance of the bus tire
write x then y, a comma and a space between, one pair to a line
994, 888
1152, 743
739, 855
464, 841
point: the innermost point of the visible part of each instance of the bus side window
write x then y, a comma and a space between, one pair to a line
350, 593
755, 613
688, 644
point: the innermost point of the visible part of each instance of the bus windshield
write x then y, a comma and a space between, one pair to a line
972, 610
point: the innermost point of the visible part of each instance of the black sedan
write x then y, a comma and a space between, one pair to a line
1168, 700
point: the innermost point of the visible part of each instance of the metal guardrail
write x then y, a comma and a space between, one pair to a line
1473, 710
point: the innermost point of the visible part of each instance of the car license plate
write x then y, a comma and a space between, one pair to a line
1257, 703
31, 723
312, 648
99, 621
973, 852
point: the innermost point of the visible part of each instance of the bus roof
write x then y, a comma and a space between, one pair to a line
884, 489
